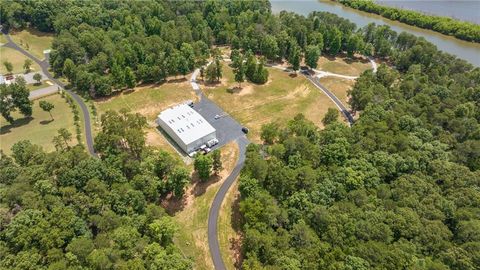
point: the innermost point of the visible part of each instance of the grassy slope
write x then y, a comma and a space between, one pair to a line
228, 229
16, 58
193, 216
280, 99
343, 65
38, 129
35, 86
33, 41
338, 87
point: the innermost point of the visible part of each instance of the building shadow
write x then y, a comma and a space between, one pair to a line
16, 123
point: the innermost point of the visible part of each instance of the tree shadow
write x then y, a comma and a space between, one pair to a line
172, 204
236, 242
293, 75
177, 80
234, 90
16, 123
46, 122
200, 187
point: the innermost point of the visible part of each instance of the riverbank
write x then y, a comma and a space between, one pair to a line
444, 25
465, 50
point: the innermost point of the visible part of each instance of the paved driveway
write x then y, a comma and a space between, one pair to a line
43, 92
228, 129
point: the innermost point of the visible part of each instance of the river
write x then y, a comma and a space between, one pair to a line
465, 50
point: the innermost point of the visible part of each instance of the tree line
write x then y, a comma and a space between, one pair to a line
448, 26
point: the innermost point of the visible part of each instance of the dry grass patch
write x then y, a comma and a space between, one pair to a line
194, 209
344, 65
279, 100
149, 101
229, 229
33, 41
339, 87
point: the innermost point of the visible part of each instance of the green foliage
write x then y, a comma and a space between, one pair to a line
8, 66
270, 132
203, 166
46, 106
37, 77
445, 25
330, 117
27, 65
217, 165
13, 97
311, 56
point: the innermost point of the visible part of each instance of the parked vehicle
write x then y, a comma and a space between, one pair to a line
212, 142
206, 150
245, 130
192, 154
217, 117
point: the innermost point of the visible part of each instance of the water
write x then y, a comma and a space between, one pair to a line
463, 49
461, 10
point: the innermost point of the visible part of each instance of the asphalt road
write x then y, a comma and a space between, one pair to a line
334, 98
44, 65
43, 92
228, 129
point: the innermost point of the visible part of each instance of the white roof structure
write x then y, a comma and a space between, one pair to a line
187, 124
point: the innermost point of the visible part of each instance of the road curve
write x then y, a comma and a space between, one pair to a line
242, 142
44, 65
214, 213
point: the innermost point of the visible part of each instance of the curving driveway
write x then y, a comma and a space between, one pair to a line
44, 65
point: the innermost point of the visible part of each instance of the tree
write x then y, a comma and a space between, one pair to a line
218, 69
217, 161
210, 73
130, 79
46, 106
69, 70
269, 132
163, 230
27, 65
269, 47
37, 77
239, 70
311, 56
8, 66
177, 181
203, 166
330, 117
20, 96
65, 135
250, 66
294, 57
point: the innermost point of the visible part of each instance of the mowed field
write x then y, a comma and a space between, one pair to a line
33, 41
16, 58
344, 65
279, 100
39, 128
339, 87
191, 213
149, 101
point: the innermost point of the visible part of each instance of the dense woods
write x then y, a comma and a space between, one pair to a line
67, 210
445, 25
398, 190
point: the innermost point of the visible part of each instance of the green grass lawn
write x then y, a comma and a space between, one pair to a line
39, 129
16, 58
35, 86
192, 237
344, 65
33, 41
280, 99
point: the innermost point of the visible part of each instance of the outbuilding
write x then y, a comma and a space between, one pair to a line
186, 127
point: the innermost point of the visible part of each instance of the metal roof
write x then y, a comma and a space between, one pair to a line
186, 123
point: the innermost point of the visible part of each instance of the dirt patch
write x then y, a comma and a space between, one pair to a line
299, 91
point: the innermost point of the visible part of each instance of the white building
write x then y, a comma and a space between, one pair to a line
186, 127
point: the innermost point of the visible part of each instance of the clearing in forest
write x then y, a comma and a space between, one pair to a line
39, 128
33, 41
279, 100
344, 65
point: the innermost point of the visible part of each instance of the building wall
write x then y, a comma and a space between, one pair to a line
196, 144
173, 135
